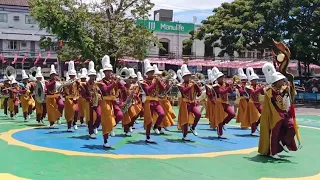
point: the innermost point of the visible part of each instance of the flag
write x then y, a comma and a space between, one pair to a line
38, 58
48, 55
24, 58
15, 59
2, 59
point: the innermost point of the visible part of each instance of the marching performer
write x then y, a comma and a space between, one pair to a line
13, 101
4, 90
27, 101
54, 102
151, 86
92, 94
277, 129
81, 103
111, 113
212, 97
242, 96
223, 111
254, 107
141, 95
188, 110
137, 103
41, 107
180, 79
71, 93
169, 117
127, 101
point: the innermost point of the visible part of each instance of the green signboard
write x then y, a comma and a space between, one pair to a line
167, 27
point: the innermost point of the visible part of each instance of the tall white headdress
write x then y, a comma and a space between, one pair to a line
184, 70
156, 70
39, 73
241, 74
179, 75
71, 69
139, 75
106, 66
91, 70
53, 70
271, 74
251, 74
24, 75
132, 73
147, 66
210, 75
83, 73
216, 73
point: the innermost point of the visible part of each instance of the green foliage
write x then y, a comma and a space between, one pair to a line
252, 24
96, 29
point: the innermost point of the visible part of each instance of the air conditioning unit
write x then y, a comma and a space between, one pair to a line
16, 18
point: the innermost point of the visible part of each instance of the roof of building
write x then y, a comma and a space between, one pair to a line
24, 3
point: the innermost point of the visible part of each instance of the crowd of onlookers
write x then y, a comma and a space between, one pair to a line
312, 85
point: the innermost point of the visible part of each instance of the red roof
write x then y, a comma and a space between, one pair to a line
24, 3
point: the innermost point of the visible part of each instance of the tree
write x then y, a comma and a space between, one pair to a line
95, 29
231, 27
244, 24
304, 32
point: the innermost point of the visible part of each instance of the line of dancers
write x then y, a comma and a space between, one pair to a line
103, 98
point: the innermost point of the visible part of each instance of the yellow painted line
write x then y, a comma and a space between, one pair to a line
315, 177
6, 176
7, 136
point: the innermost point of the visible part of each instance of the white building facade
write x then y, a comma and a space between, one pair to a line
20, 36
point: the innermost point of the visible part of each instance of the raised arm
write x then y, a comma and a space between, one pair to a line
147, 88
184, 89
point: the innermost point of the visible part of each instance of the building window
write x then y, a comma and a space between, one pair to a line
267, 54
3, 17
165, 45
249, 55
30, 20
242, 55
208, 50
23, 44
259, 55
186, 49
13, 45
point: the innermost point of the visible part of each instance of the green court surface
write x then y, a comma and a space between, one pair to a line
44, 165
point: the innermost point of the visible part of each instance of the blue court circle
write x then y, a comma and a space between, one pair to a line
168, 144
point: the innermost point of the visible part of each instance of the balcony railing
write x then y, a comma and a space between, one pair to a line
35, 53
